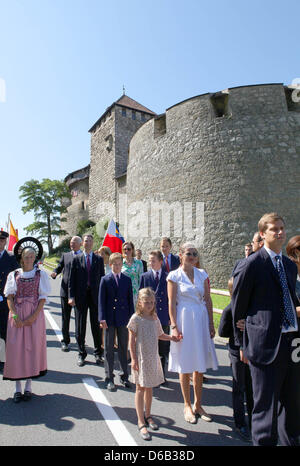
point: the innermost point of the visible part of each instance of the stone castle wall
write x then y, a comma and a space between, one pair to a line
78, 205
235, 153
109, 155
102, 172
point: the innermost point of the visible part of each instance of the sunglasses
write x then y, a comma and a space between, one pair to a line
127, 249
194, 254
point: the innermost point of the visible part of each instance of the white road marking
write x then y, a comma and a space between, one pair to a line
53, 324
114, 423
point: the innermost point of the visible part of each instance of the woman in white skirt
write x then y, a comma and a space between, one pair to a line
191, 316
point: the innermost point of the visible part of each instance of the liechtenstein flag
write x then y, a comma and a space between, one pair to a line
112, 238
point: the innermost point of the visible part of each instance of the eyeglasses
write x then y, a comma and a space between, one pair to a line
127, 249
194, 254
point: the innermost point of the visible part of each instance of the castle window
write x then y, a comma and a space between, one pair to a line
124, 112
292, 96
82, 205
219, 103
143, 117
160, 125
133, 115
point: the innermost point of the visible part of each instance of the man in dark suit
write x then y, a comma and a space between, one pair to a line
64, 266
170, 261
256, 243
264, 295
8, 263
115, 307
241, 377
155, 278
138, 253
87, 269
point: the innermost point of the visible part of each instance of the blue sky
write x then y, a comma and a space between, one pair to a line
63, 62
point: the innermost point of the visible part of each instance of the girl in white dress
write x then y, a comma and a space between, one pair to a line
144, 332
191, 316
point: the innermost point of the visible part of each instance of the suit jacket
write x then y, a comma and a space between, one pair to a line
162, 305
144, 265
65, 266
8, 263
115, 303
79, 278
175, 263
226, 330
257, 297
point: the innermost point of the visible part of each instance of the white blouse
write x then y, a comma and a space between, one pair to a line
44, 286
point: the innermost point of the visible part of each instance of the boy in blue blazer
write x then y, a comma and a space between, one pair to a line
155, 278
115, 307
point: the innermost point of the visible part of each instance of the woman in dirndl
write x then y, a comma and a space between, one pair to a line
26, 290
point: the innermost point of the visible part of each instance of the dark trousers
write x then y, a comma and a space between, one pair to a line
241, 388
80, 325
109, 338
65, 320
3, 319
164, 348
273, 388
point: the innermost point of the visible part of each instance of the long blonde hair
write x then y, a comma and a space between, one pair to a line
145, 293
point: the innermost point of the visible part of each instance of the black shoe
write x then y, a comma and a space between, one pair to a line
111, 386
125, 383
27, 395
80, 361
17, 397
99, 359
165, 383
243, 433
64, 347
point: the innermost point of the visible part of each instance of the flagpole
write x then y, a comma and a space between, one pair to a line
8, 229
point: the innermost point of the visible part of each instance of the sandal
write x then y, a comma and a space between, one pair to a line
189, 417
203, 415
17, 397
149, 422
144, 435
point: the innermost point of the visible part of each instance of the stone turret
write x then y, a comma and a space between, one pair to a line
233, 155
78, 205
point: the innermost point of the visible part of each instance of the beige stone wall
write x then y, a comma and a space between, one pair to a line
102, 171
109, 155
78, 205
236, 166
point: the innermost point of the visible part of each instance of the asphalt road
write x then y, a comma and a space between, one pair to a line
71, 406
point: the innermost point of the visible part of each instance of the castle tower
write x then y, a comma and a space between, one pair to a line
78, 205
110, 138
234, 155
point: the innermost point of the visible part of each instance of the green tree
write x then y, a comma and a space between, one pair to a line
45, 200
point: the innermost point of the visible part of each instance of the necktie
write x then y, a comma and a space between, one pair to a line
288, 315
157, 278
167, 265
117, 278
88, 266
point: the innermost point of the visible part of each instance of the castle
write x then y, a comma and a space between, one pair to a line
204, 171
